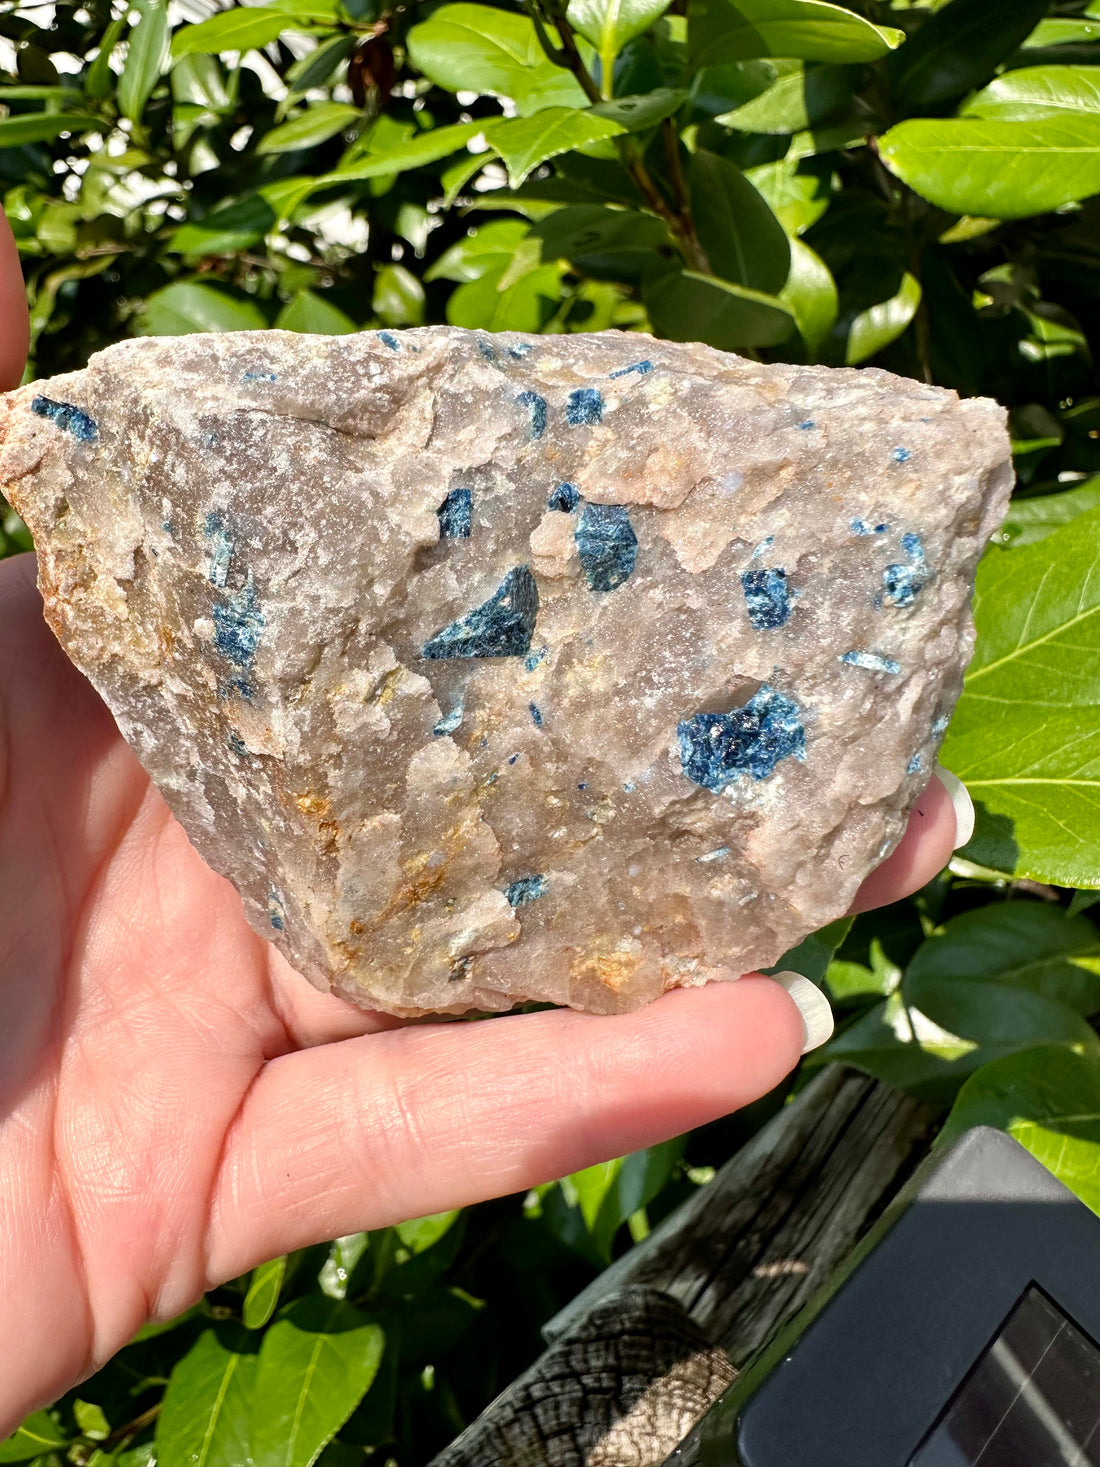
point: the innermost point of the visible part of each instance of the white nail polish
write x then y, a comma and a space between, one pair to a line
817, 1016
964, 805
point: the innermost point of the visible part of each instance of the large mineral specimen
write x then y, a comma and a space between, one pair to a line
493, 668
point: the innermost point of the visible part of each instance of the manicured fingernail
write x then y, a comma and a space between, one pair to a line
817, 1016
964, 805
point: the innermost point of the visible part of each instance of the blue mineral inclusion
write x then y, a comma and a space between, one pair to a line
767, 598
532, 660
500, 627
940, 725
765, 544
450, 721
238, 623
717, 747
536, 405
607, 545
640, 367
915, 765
387, 338
66, 416
536, 714
216, 530
488, 351
455, 515
565, 497
259, 377
807, 424
871, 662
276, 913
239, 685
583, 407
902, 455
902, 584
520, 350
526, 889
237, 744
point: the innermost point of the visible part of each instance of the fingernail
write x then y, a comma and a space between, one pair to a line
964, 805
817, 1016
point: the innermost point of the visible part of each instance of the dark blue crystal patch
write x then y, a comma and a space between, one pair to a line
716, 747
238, 623
526, 889
607, 544
583, 407
500, 627
455, 514
66, 416
767, 598
536, 406
565, 497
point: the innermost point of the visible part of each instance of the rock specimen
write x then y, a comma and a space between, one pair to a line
493, 668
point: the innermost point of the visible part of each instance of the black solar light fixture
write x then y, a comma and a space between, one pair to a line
965, 1332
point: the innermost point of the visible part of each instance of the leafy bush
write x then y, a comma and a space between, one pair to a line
906, 183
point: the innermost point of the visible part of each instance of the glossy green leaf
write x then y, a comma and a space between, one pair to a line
1025, 737
311, 312
687, 306
480, 251
1064, 30
477, 48
205, 1415
608, 244
744, 241
316, 68
37, 1435
315, 1365
1029, 520
39, 127
721, 31
523, 304
637, 113
422, 1233
609, 24
188, 305
959, 48
525, 142
398, 298
91, 1419
997, 169
239, 29
263, 1293
1048, 1098
100, 78
1037, 91
319, 122
810, 291
874, 328
146, 58
425, 147
797, 200
227, 231
813, 954
800, 98
1031, 945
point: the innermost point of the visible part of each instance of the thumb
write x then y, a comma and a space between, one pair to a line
14, 331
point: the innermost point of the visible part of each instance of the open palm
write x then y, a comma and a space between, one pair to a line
177, 1105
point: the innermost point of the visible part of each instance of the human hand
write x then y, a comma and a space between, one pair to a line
177, 1105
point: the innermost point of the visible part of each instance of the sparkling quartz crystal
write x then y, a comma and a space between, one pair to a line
501, 668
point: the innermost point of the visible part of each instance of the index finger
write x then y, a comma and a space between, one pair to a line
14, 331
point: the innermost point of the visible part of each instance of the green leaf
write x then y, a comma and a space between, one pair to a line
609, 24
522, 304
799, 98
100, 78
1064, 31
40, 127
424, 1232
263, 1293
204, 1417
477, 48
1030, 945
810, 292
188, 305
606, 244
425, 147
1037, 91
239, 29
813, 954
315, 1365
638, 113
315, 69
874, 328
957, 49
797, 200
480, 251
1030, 520
687, 306
319, 122
998, 169
525, 142
91, 1419
721, 31
1048, 1098
398, 298
227, 231
146, 58
1025, 737
744, 241
310, 312
39, 1433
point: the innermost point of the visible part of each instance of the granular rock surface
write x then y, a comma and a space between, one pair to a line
496, 668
